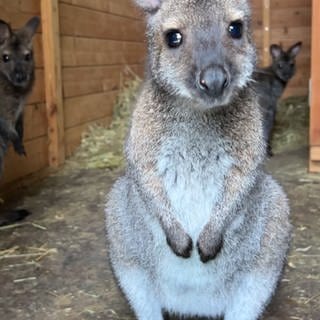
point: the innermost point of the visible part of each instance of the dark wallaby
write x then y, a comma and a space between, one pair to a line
195, 227
16, 81
271, 83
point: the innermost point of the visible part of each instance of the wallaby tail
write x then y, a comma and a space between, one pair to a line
11, 217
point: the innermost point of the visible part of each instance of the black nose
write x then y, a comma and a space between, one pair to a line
213, 80
20, 77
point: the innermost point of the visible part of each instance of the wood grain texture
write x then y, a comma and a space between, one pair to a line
315, 93
79, 110
266, 12
18, 167
53, 81
124, 8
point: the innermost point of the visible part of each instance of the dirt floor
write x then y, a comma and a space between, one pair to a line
54, 266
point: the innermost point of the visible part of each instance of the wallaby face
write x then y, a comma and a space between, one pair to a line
201, 50
16, 55
284, 62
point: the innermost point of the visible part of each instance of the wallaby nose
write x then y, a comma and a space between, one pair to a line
20, 77
213, 80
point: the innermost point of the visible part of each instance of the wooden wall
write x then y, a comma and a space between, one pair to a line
98, 39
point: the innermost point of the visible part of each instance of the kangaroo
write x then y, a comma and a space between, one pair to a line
16, 82
16, 79
271, 83
195, 227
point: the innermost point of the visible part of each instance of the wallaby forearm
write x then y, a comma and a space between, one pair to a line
158, 202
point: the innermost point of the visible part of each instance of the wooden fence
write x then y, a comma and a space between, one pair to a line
315, 91
82, 52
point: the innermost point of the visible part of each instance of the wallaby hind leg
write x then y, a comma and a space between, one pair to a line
252, 296
257, 284
18, 143
13, 216
139, 291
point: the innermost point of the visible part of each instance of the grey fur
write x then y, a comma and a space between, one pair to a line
271, 83
195, 227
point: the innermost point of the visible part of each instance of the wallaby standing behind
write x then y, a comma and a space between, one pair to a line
195, 227
271, 83
16, 81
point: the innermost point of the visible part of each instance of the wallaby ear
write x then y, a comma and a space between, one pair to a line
5, 31
149, 5
31, 26
295, 49
275, 51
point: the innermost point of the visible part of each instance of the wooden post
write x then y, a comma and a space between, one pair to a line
266, 33
315, 94
53, 81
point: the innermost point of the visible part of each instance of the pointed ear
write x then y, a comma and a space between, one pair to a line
275, 51
295, 49
149, 6
31, 26
5, 31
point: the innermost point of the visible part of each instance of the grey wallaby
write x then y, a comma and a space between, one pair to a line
195, 227
271, 83
16, 81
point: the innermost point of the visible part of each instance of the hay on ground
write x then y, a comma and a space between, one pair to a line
102, 146
291, 129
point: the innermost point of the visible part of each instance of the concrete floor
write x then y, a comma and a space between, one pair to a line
54, 266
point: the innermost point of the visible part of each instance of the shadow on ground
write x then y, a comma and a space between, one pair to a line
54, 267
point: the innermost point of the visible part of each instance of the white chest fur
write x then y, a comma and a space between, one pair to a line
193, 176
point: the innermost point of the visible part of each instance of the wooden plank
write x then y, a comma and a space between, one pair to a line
82, 22
37, 94
314, 166
79, 110
315, 77
73, 135
53, 83
289, 35
16, 166
124, 8
30, 6
315, 153
35, 121
11, 13
280, 4
10, 189
93, 52
80, 81
38, 52
291, 17
266, 32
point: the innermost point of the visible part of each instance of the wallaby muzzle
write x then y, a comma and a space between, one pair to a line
213, 80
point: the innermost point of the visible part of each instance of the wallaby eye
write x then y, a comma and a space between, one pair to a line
235, 29
174, 38
27, 56
6, 58
280, 65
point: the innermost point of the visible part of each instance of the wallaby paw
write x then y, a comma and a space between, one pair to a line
181, 245
208, 247
19, 149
